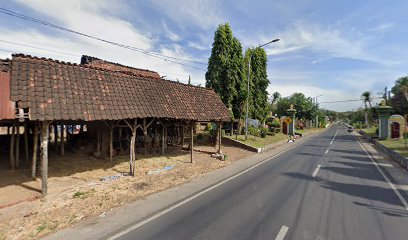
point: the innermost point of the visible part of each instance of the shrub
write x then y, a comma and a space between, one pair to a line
263, 131
254, 131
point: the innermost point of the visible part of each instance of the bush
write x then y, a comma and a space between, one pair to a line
271, 133
263, 131
254, 131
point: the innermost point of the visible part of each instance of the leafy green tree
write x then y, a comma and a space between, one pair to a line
189, 80
258, 82
225, 69
400, 99
304, 106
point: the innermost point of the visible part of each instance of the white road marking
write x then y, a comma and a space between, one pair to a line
384, 176
333, 138
157, 215
327, 150
316, 171
282, 233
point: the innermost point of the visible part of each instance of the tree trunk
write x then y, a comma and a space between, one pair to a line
35, 148
44, 158
366, 118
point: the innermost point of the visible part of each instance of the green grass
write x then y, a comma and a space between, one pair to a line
81, 195
259, 142
371, 132
397, 145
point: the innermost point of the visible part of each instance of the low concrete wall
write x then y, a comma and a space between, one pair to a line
398, 158
239, 144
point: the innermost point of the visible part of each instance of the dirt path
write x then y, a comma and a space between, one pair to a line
76, 191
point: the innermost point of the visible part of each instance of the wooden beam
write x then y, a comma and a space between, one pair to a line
12, 141
44, 158
191, 141
35, 149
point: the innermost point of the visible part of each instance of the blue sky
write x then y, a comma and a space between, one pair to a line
336, 49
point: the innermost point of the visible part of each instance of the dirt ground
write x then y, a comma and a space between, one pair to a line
76, 191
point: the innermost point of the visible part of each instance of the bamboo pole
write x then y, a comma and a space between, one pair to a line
191, 142
35, 149
12, 141
44, 158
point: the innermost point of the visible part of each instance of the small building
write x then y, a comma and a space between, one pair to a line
46, 96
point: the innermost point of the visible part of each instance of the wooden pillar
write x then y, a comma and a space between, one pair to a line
182, 136
12, 141
26, 129
35, 149
163, 139
219, 137
111, 142
17, 159
191, 141
232, 128
44, 158
133, 128
55, 137
165, 136
120, 139
62, 140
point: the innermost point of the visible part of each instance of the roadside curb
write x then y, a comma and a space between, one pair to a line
396, 157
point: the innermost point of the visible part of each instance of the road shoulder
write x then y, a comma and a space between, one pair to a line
138, 211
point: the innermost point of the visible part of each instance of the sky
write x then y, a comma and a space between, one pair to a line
336, 49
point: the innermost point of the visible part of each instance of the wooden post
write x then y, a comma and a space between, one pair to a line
55, 137
232, 128
163, 139
18, 146
191, 141
111, 142
26, 142
62, 140
219, 137
35, 148
12, 156
165, 136
182, 136
44, 158
133, 127
120, 139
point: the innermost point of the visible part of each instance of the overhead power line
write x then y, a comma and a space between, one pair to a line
40, 48
149, 53
350, 100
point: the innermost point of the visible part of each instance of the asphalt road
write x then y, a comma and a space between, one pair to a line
292, 197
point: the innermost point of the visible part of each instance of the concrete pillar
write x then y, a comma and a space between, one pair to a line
291, 126
384, 113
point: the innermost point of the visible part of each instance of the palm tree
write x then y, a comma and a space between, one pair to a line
275, 97
366, 99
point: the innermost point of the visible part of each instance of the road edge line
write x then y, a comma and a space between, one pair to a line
393, 187
197, 194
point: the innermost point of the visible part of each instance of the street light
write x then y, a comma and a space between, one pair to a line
249, 75
317, 117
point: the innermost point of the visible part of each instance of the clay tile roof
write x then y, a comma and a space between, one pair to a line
116, 67
55, 90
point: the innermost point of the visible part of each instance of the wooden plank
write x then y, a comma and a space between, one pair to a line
35, 149
44, 158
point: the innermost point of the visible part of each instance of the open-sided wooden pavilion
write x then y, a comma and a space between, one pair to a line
40, 94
